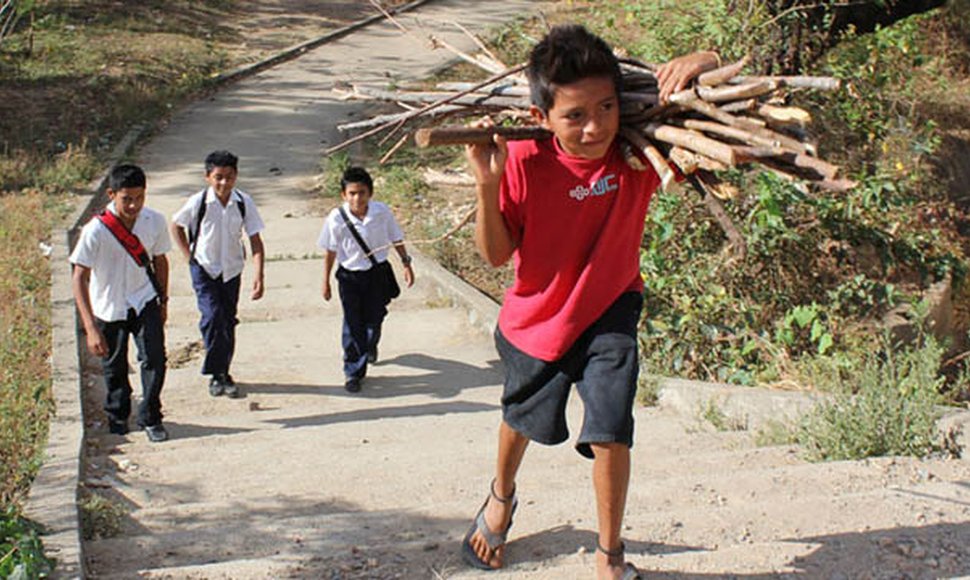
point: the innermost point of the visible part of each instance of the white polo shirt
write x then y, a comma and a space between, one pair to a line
117, 282
378, 228
219, 249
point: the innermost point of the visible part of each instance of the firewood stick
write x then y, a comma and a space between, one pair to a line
688, 161
736, 92
693, 141
785, 116
721, 75
823, 169
801, 82
716, 209
431, 137
668, 179
731, 133
431, 97
739, 106
491, 80
728, 119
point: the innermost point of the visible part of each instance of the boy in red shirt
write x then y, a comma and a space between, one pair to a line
570, 213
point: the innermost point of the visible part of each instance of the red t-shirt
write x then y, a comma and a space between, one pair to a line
577, 224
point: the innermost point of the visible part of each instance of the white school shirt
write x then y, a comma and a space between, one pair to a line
117, 282
219, 249
378, 228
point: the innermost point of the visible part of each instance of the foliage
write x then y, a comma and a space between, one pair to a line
713, 414
100, 517
25, 399
887, 406
21, 553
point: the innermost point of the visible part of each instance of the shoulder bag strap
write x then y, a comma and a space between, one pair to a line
130, 242
356, 234
194, 233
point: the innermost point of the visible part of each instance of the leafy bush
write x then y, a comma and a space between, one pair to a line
887, 406
21, 553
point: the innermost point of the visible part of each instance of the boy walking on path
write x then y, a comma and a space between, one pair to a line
120, 283
357, 235
570, 212
209, 229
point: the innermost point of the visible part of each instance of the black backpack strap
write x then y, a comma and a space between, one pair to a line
356, 234
194, 232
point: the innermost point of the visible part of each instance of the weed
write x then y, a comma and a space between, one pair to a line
648, 389
886, 405
100, 517
712, 413
25, 399
772, 433
21, 553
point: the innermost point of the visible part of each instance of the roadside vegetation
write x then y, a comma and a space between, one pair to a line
806, 306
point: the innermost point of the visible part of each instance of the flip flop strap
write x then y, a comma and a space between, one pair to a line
494, 539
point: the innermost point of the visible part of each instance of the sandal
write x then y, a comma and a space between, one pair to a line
494, 540
616, 558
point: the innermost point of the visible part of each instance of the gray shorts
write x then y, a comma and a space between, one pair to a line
603, 364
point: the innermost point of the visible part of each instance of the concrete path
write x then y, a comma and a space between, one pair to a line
301, 479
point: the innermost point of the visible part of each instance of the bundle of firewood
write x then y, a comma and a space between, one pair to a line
725, 120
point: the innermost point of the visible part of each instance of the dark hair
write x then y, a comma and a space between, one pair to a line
125, 175
356, 175
221, 158
567, 54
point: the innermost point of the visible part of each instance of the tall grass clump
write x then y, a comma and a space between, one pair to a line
887, 405
25, 341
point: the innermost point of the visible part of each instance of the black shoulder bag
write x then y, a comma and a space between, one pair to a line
383, 269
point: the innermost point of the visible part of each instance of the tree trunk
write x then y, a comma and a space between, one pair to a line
805, 29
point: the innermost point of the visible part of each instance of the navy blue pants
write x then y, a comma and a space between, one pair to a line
147, 330
362, 296
217, 301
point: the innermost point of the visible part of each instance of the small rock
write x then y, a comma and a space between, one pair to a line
372, 562
430, 547
253, 405
931, 562
289, 214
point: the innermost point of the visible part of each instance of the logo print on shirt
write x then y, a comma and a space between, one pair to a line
602, 186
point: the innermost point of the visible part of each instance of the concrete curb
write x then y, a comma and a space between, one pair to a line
482, 310
53, 495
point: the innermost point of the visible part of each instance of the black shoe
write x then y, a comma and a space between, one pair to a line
372, 356
352, 385
229, 387
117, 427
216, 387
156, 433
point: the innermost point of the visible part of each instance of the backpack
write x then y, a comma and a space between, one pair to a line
200, 213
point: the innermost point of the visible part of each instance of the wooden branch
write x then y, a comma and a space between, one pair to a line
716, 209
736, 92
689, 162
731, 133
474, 99
456, 135
693, 141
393, 118
668, 178
509, 90
740, 122
739, 106
784, 116
822, 169
491, 80
721, 75
801, 82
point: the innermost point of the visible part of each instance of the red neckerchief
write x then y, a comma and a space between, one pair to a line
125, 237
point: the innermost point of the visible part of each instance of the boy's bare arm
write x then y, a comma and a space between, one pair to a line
328, 262
402, 251
80, 278
259, 259
492, 236
160, 262
181, 240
